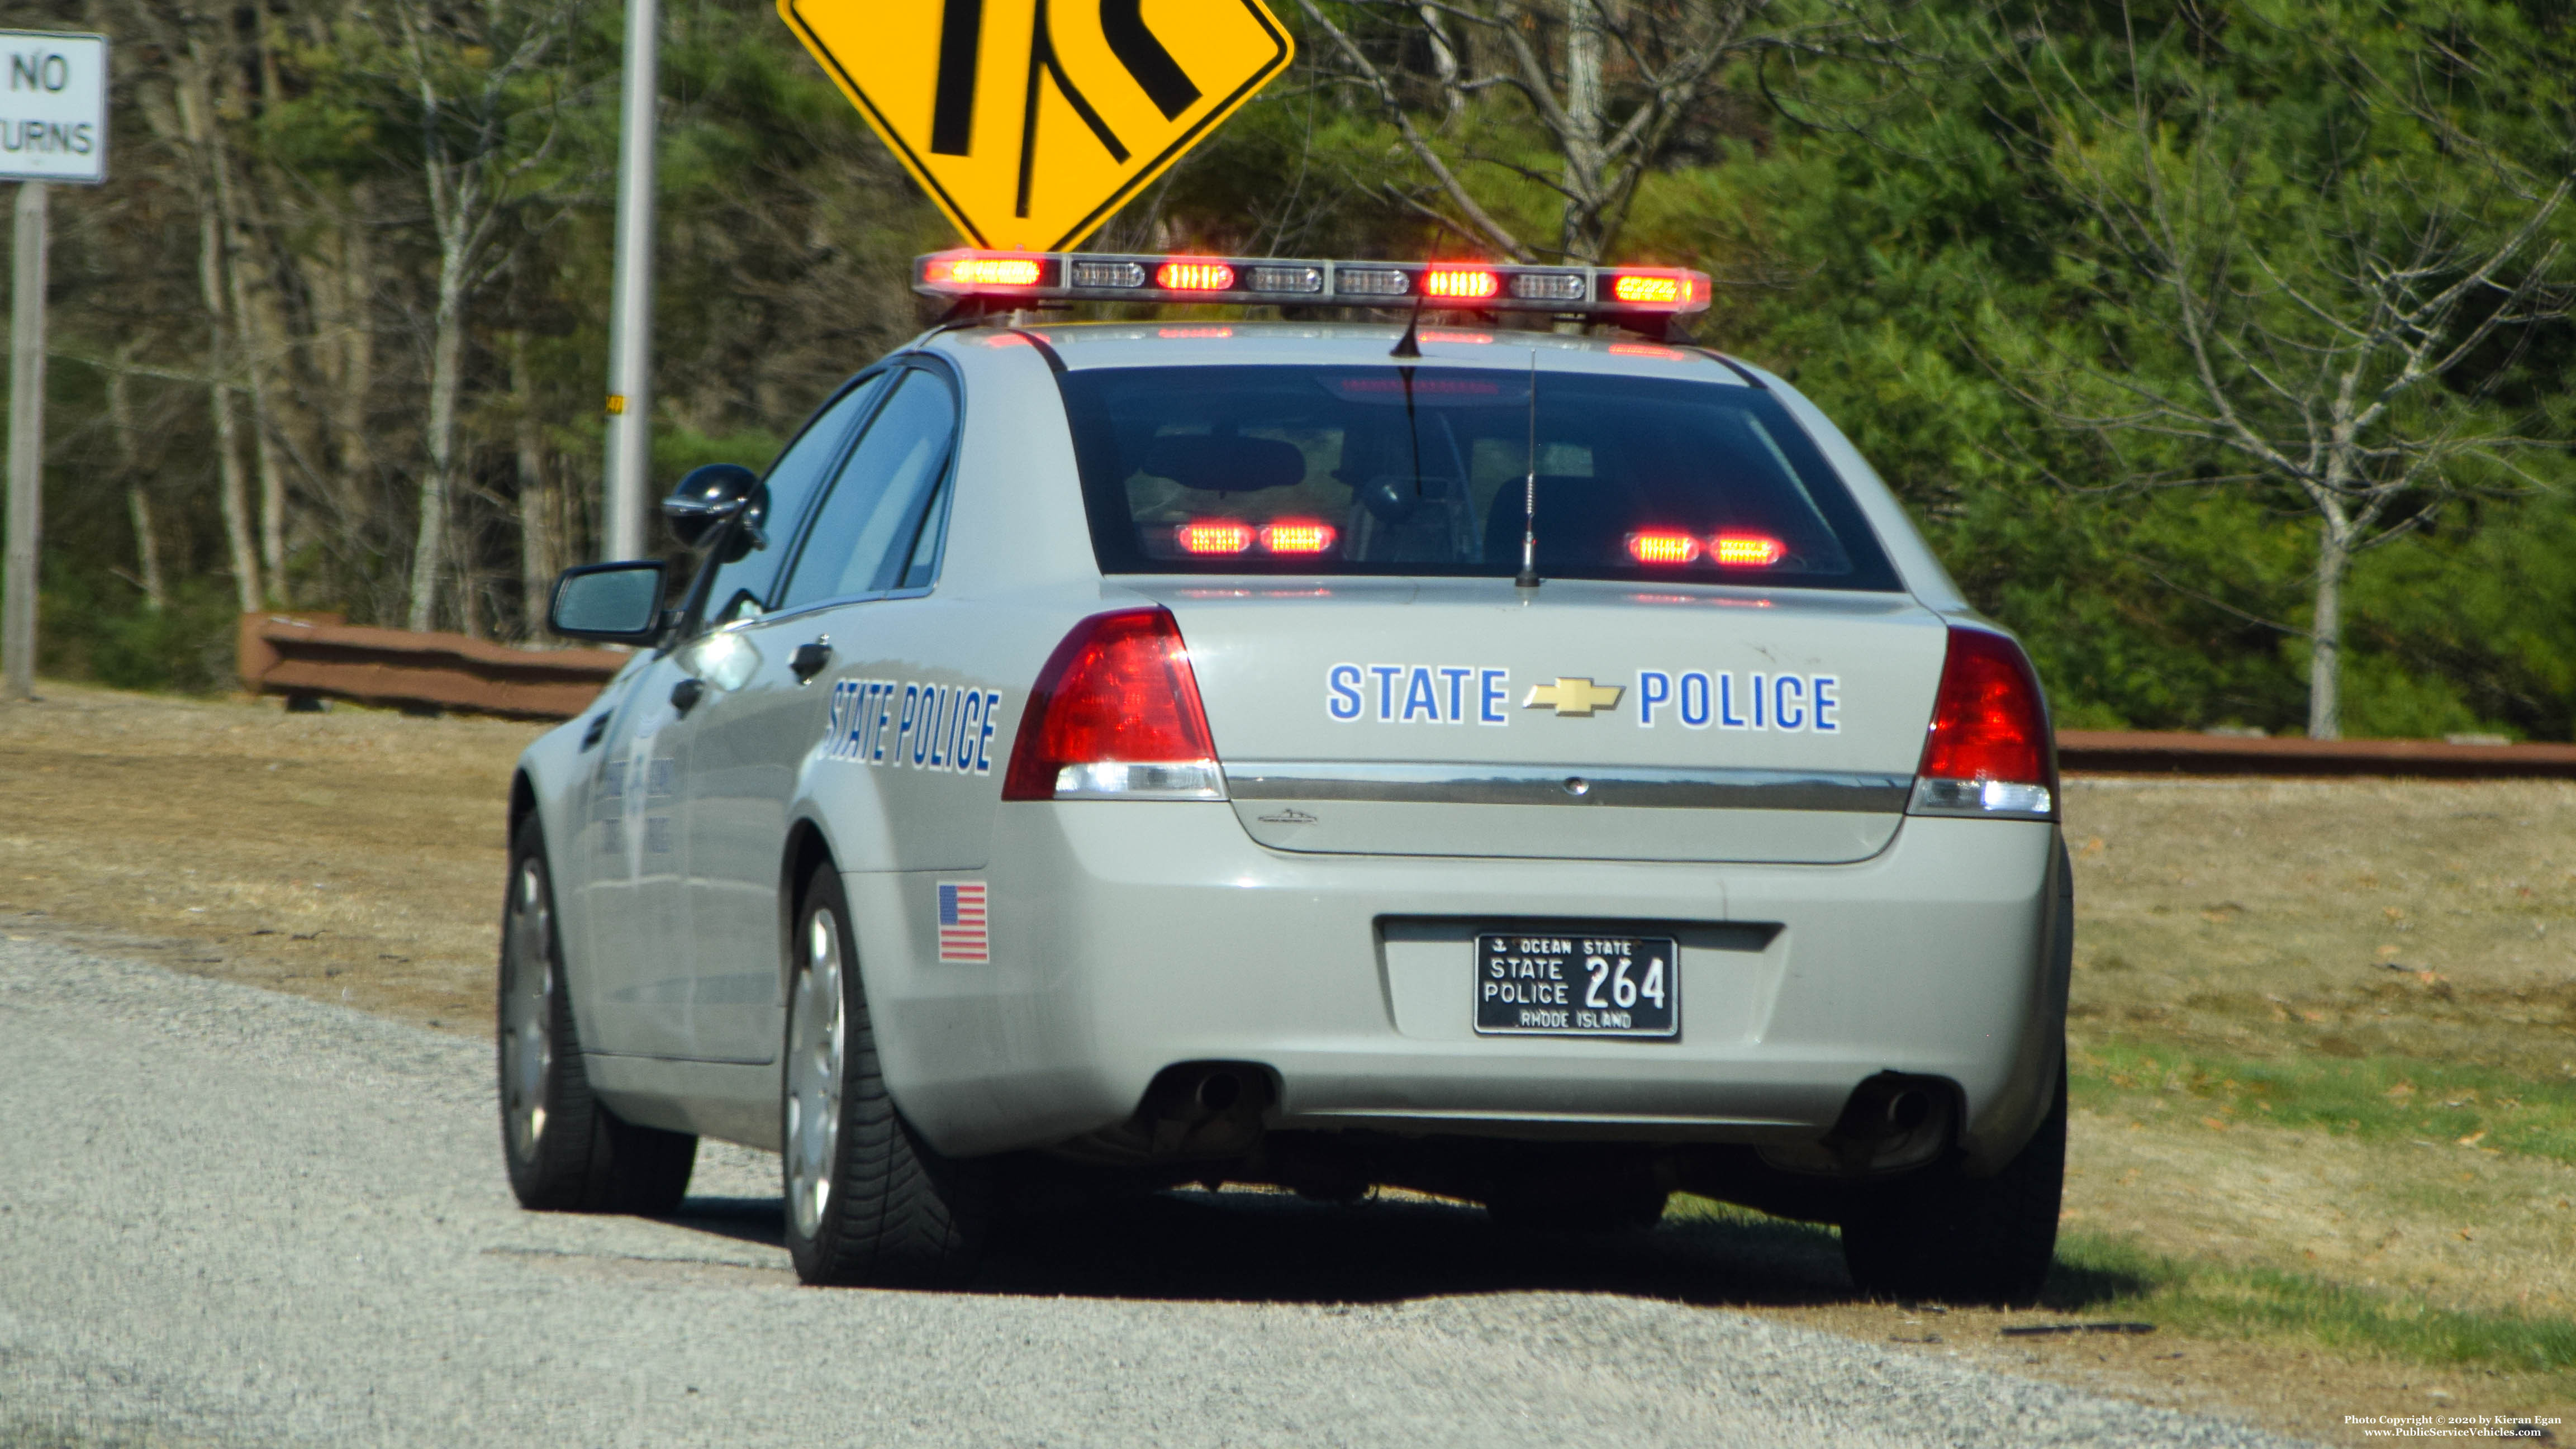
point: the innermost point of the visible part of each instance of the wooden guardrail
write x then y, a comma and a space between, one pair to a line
309, 657
2160, 753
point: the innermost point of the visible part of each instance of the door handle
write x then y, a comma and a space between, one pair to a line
809, 660
686, 694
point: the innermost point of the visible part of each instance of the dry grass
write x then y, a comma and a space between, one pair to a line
2235, 936
2345, 918
2256, 924
352, 856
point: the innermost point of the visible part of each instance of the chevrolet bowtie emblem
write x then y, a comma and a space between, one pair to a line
1577, 697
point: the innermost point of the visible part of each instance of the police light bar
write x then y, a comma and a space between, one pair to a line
1472, 286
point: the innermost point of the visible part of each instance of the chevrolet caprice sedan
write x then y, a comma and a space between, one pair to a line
1537, 768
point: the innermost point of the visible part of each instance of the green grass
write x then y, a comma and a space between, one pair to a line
2374, 1098
2112, 1276
2107, 1275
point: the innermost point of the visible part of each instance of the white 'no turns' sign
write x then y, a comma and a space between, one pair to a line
53, 107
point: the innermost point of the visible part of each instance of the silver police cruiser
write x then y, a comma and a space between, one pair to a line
1542, 768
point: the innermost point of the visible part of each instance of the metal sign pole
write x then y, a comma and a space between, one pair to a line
26, 442
629, 455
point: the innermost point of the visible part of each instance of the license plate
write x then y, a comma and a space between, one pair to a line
1539, 984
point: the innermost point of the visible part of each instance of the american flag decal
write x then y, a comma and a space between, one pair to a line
963, 934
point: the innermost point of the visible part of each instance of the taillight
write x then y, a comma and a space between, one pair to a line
1989, 750
1115, 715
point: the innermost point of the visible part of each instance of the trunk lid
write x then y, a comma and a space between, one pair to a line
1591, 720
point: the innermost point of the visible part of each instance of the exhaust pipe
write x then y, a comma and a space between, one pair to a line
1892, 1122
1219, 1090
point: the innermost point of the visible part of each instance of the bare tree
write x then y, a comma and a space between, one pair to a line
478, 84
1613, 84
187, 113
2328, 309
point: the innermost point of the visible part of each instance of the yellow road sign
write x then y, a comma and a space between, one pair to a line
1030, 121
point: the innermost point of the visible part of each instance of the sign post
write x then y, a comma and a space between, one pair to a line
1030, 130
53, 127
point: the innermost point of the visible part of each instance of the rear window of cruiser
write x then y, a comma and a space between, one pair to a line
1421, 471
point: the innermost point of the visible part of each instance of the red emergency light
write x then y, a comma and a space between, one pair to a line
1298, 535
1467, 283
1663, 546
1660, 289
1213, 535
1191, 276
1645, 296
1746, 550
962, 273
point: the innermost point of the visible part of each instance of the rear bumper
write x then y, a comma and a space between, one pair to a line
1128, 937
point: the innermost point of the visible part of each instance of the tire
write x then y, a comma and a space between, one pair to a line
1944, 1237
565, 1151
868, 1201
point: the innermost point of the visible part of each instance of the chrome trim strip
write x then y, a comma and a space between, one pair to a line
1636, 1119
1619, 785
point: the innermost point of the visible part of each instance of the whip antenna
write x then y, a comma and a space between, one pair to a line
1528, 576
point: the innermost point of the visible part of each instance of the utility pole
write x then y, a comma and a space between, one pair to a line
629, 454
26, 441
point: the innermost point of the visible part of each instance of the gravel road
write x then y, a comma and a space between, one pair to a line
232, 1217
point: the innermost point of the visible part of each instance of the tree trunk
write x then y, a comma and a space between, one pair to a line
252, 349
540, 524
446, 366
235, 488
1444, 62
198, 122
138, 506
1583, 47
2325, 635
263, 422
147, 548
345, 284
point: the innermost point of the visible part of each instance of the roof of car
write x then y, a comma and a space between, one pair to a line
1083, 345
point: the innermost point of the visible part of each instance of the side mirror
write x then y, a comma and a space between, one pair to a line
616, 603
707, 497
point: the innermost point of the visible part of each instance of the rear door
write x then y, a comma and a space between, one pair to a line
637, 992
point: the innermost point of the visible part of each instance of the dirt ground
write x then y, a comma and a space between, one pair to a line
356, 856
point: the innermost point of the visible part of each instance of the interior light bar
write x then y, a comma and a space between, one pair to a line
1090, 277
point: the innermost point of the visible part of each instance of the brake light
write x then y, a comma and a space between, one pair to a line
1746, 550
1468, 282
1298, 535
1115, 715
1660, 547
1989, 751
1194, 277
1213, 535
